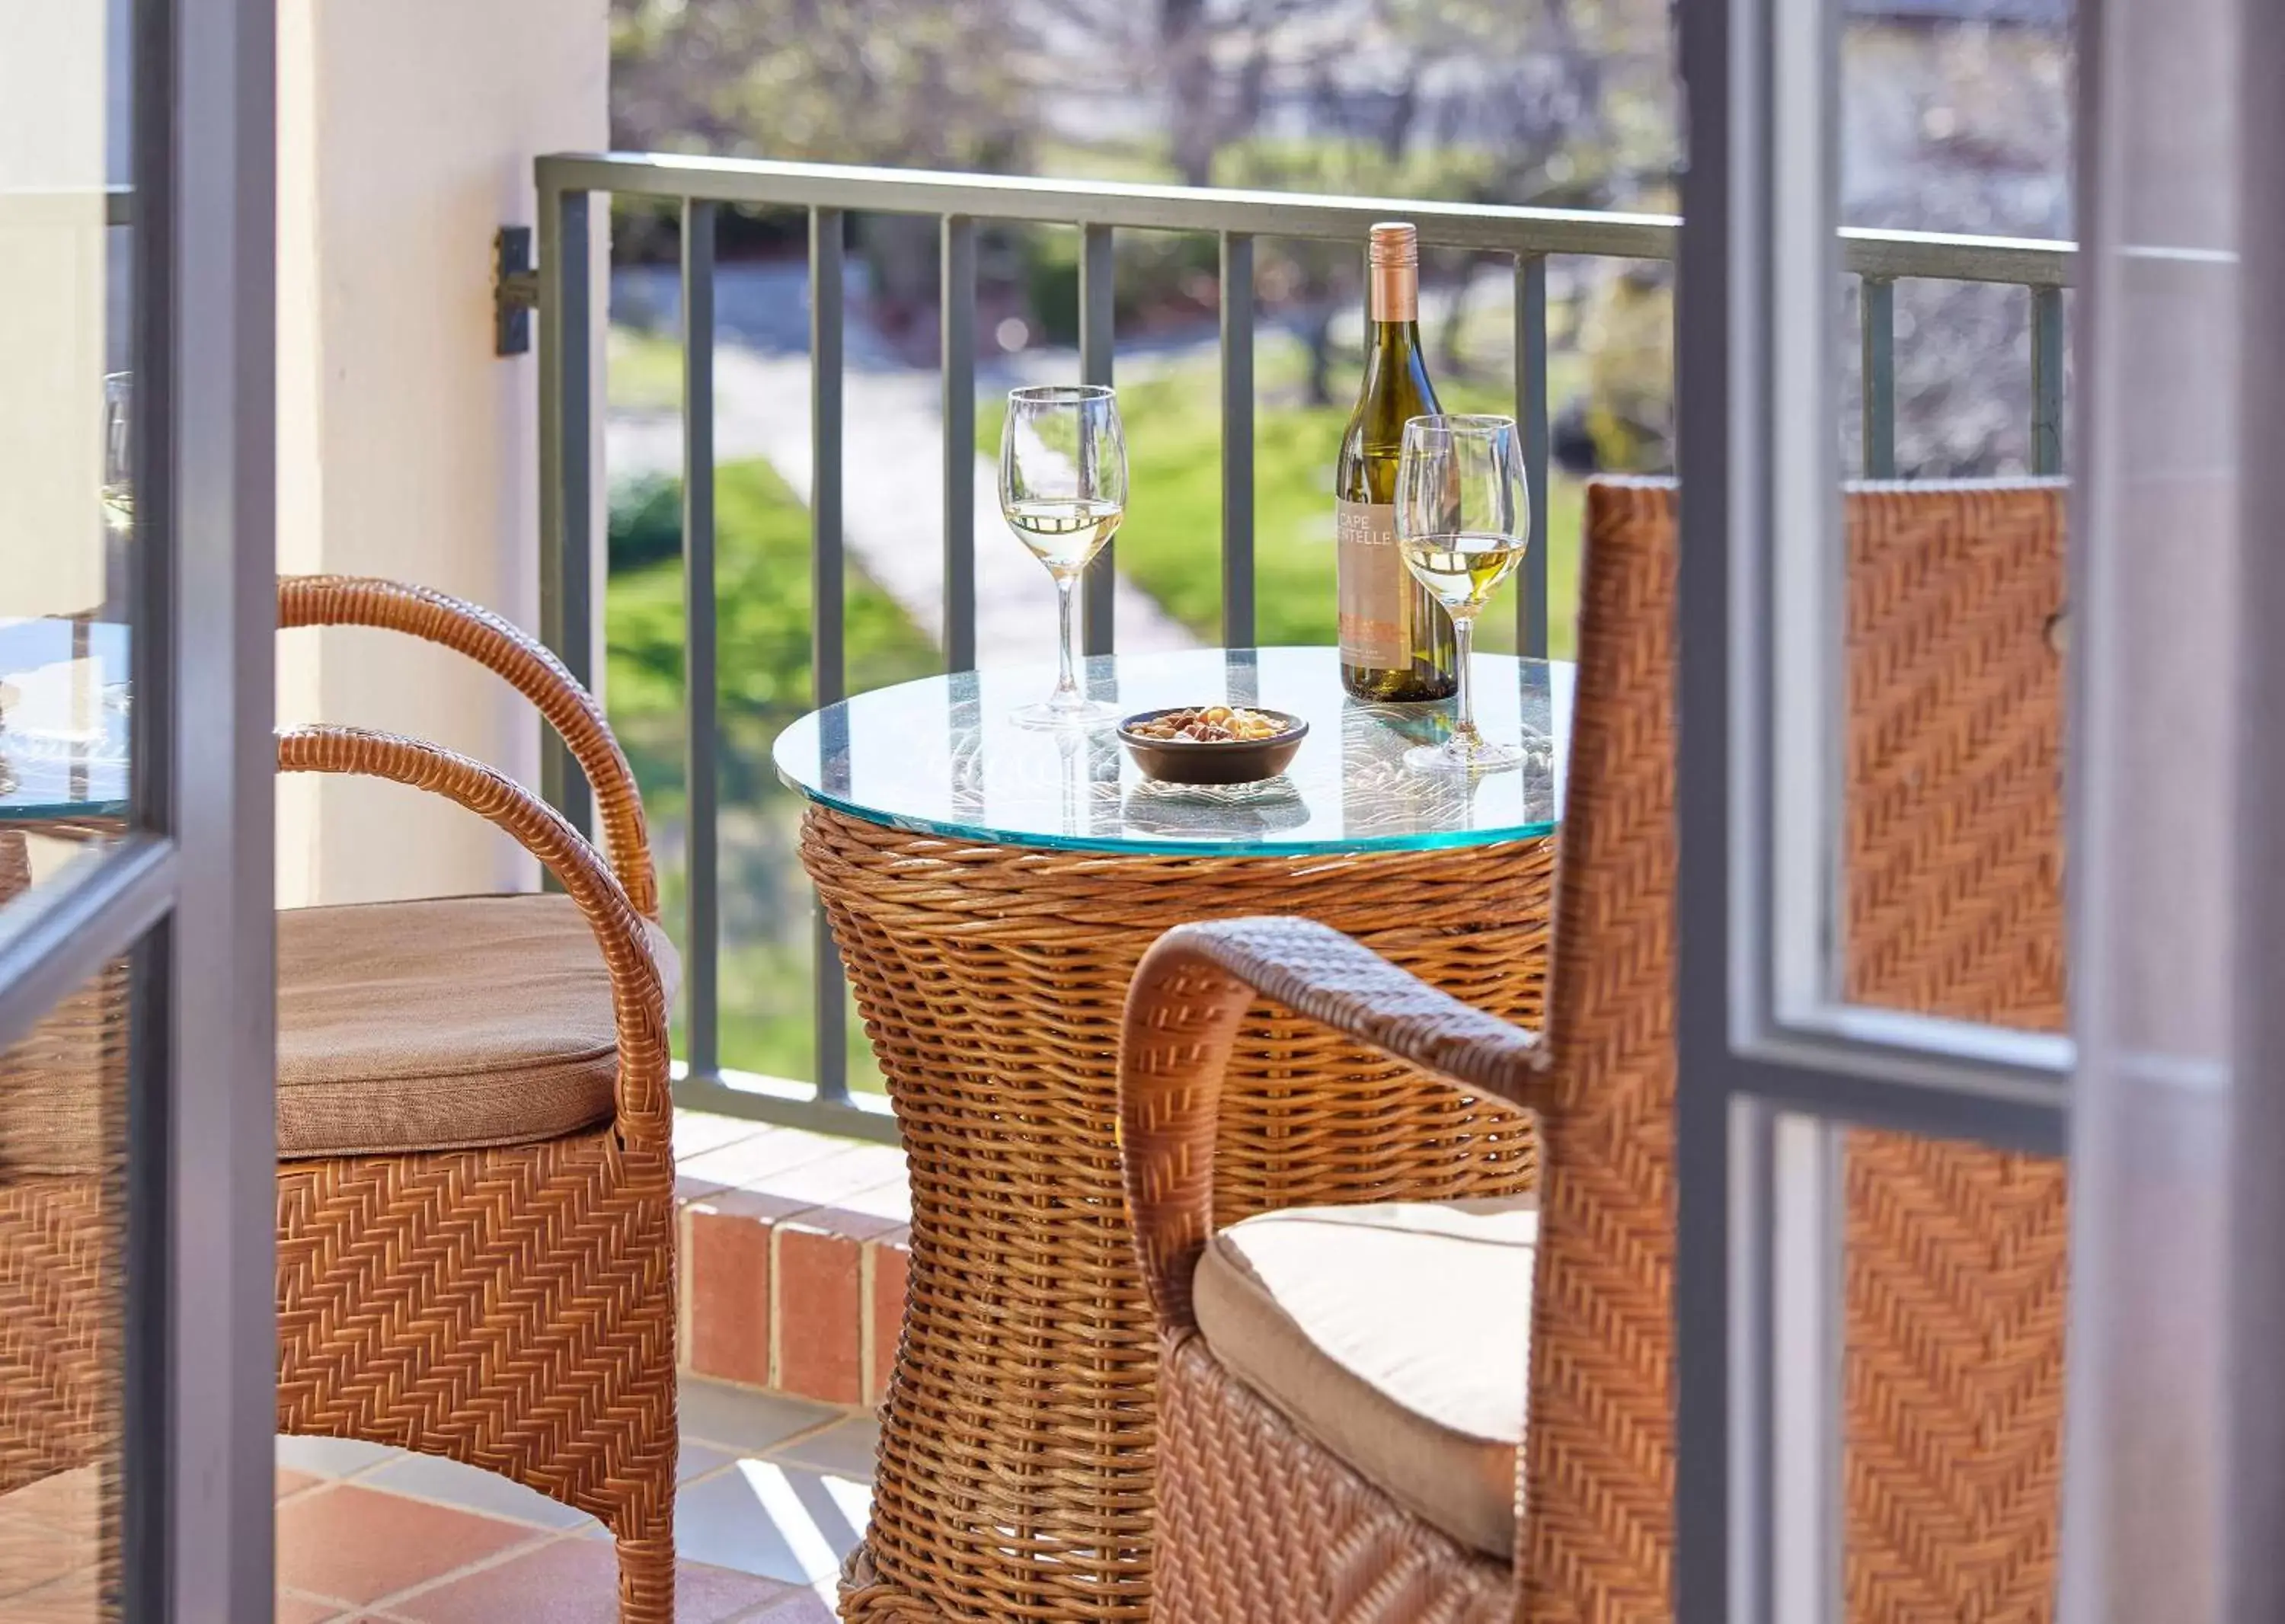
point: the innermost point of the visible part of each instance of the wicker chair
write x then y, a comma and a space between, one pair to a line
475, 1182
1343, 1391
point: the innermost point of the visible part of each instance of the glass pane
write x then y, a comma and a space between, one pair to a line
1919, 793
68, 416
63, 1098
1952, 1378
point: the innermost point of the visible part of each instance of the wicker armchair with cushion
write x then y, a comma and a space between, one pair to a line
476, 1175
1355, 1402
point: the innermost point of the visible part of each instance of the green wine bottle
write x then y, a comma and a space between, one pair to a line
1396, 639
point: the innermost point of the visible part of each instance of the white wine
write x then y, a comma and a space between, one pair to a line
1396, 641
1064, 534
1463, 570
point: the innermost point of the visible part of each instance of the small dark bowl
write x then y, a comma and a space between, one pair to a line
1198, 761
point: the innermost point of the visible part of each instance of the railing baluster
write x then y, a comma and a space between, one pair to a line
2046, 381
567, 565
1531, 413
1094, 347
957, 297
1237, 578
704, 952
828, 676
1876, 311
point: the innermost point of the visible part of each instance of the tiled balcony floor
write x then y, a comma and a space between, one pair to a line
775, 1492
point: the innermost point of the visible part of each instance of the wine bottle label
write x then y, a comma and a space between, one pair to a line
1371, 576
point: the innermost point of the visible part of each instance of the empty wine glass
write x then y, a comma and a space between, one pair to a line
1063, 490
1463, 522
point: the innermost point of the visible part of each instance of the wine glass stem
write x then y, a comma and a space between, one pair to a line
1066, 694
1463, 631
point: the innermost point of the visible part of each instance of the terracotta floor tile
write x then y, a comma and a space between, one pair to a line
429, 1477
71, 1502
697, 1460
784, 1523
851, 1449
75, 1599
292, 1482
301, 1610
735, 1418
575, 1582
808, 1608
360, 1545
330, 1458
32, 1553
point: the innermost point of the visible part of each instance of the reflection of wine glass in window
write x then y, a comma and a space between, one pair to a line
118, 489
1462, 525
1063, 490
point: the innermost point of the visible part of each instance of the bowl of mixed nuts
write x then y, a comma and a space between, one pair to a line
1212, 744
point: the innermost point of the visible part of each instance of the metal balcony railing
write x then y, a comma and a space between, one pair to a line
568, 185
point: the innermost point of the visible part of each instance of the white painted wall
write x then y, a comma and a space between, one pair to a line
52, 279
406, 133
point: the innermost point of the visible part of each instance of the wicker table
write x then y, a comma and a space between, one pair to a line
991, 890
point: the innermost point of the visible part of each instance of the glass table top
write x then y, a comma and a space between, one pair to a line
64, 724
940, 756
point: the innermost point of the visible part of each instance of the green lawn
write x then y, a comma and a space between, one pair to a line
642, 371
763, 570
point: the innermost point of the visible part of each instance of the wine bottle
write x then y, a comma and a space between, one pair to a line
1396, 641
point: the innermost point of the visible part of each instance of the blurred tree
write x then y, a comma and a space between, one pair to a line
917, 83
1566, 102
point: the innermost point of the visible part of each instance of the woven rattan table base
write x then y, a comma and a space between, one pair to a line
1017, 1460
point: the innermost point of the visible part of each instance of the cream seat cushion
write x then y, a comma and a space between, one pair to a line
1395, 1336
441, 1025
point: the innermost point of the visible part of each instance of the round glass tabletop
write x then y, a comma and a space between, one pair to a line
940, 756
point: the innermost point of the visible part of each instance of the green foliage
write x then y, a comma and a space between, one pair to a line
642, 371
762, 577
646, 522
922, 84
1154, 273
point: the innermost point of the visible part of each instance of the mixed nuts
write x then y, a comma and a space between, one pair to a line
1211, 724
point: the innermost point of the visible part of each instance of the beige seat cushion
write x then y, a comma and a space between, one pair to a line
1395, 1336
440, 1025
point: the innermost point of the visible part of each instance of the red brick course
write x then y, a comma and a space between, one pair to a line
793, 1253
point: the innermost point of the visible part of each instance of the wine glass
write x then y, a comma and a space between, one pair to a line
1063, 490
1463, 522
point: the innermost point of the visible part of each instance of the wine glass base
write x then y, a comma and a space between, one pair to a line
1471, 758
1085, 716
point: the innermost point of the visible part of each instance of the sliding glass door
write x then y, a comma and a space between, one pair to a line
136, 1341
1875, 1061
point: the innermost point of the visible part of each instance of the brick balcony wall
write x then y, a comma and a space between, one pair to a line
793, 1258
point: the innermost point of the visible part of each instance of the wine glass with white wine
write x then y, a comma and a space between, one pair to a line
1463, 522
1063, 490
